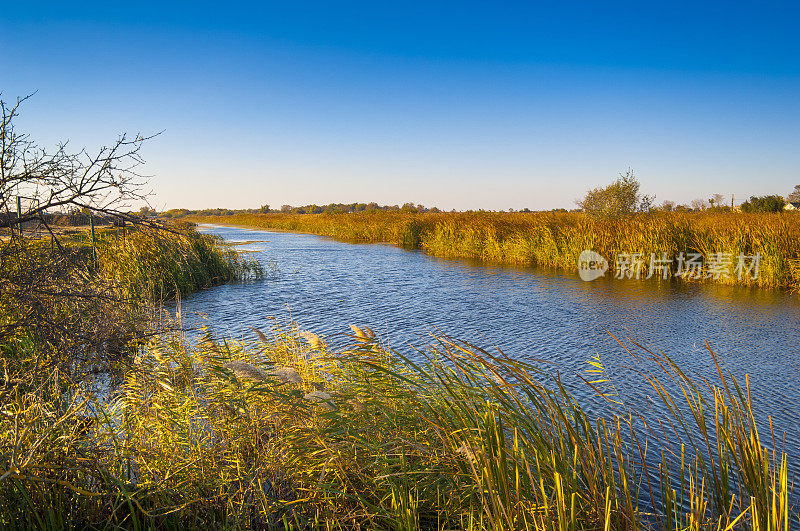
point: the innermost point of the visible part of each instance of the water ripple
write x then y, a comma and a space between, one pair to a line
327, 285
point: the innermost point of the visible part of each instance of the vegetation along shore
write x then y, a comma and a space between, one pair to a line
113, 419
556, 239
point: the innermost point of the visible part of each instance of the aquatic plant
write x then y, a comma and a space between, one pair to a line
71, 324
158, 264
460, 437
287, 432
555, 240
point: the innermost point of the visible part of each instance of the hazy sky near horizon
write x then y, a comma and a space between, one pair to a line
459, 105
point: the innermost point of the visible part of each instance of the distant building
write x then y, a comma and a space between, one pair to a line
792, 206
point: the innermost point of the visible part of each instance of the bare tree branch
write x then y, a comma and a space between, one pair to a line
105, 182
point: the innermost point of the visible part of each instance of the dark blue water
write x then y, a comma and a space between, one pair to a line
325, 286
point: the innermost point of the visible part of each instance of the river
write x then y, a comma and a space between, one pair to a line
325, 285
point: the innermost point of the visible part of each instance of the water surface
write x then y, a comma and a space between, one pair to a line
326, 285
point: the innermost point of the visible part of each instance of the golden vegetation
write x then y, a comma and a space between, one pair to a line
156, 264
71, 309
555, 240
290, 433
211, 435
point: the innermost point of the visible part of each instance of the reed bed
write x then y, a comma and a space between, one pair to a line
555, 240
286, 433
73, 313
157, 264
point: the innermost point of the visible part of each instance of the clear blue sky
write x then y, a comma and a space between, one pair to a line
460, 105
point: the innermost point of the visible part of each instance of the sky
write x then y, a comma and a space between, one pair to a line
461, 105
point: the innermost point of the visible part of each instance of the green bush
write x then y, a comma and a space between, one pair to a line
767, 203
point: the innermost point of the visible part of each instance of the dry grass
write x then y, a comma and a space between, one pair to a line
286, 433
67, 319
158, 265
365, 438
555, 240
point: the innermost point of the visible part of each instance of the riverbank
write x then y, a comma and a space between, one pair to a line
284, 432
287, 432
74, 312
726, 244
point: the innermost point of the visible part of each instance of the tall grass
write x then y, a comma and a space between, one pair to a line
464, 439
555, 240
285, 432
78, 299
65, 318
155, 264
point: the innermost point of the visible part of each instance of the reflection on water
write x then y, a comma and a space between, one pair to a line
326, 285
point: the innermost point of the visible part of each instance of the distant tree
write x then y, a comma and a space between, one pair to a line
794, 197
698, 204
176, 213
264, 209
216, 212
620, 197
646, 203
346, 208
767, 203
715, 200
667, 206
